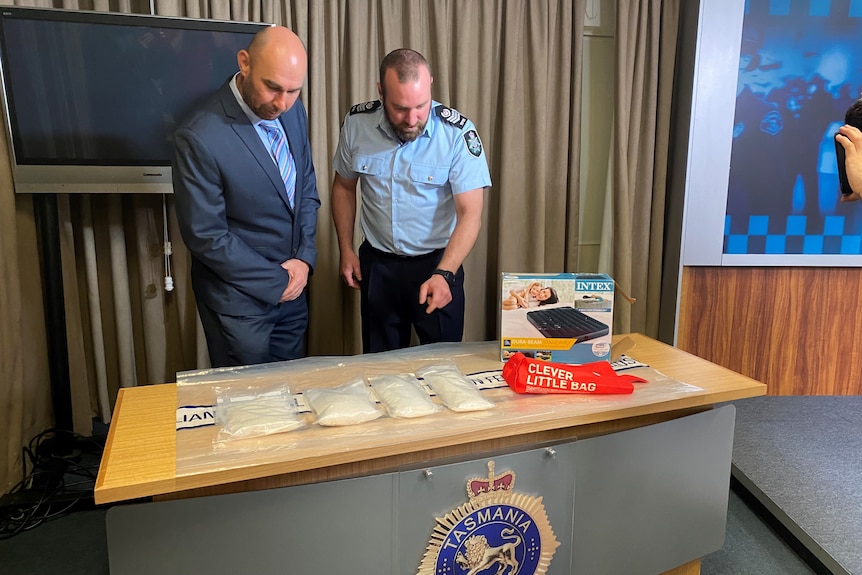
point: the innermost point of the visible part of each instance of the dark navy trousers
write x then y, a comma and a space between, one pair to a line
277, 335
389, 301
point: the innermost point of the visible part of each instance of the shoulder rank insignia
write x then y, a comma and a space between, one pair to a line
365, 107
451, 116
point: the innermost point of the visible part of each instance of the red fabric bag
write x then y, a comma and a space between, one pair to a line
526, 375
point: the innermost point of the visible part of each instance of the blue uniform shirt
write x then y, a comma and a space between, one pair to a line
407, 188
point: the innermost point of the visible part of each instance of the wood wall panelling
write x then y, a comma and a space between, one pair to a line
793, 328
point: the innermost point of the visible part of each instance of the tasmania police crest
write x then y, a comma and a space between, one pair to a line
497, 531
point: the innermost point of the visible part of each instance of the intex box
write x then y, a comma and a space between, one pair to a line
564, 317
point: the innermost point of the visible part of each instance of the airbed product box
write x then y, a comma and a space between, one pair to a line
565, 317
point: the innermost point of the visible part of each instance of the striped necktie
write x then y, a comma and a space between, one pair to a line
283, 158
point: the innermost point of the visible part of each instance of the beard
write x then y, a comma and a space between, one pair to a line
404, 132
263, 111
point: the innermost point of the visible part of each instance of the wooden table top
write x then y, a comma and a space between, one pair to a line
145, 455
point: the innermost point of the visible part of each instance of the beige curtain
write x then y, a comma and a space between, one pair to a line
646, 37
512, 66
25, 402
25, 391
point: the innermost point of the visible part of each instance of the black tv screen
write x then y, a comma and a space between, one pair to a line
92, 98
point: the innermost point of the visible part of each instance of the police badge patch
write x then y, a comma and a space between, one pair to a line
365, 107
496, 528
474, 144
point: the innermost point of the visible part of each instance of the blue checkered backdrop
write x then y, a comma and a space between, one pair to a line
800, 68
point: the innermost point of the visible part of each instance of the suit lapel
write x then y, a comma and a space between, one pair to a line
248, 134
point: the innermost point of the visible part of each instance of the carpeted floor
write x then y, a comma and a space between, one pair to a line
801, 458
76, 544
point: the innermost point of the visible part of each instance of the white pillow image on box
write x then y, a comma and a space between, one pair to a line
347, 404
403, 395
453, 388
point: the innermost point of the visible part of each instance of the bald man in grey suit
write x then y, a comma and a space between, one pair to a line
250, 230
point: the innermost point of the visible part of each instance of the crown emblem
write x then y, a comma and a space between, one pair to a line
478, 486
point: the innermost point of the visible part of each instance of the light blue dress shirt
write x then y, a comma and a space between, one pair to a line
408, 188
255, 119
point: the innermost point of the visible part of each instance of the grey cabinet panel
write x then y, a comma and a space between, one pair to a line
339, 527
653, 498
641, 501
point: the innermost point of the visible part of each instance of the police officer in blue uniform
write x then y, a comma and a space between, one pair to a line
423, 172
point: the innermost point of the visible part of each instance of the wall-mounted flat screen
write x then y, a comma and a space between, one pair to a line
91, 99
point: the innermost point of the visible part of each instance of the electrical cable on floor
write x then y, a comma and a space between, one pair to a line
63, 467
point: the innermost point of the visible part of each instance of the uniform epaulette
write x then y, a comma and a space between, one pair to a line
450, 116
365, 107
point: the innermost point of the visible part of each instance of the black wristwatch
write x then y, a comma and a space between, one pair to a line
447, 275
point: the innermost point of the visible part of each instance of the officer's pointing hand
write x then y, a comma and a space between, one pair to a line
435, 293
